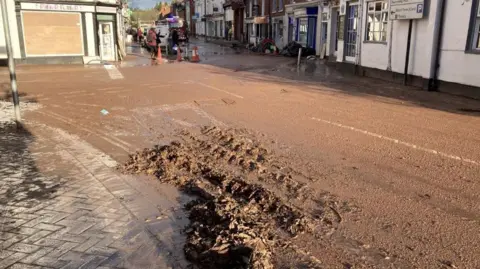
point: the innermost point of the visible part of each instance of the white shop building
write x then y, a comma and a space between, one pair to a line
70, 32
371, 36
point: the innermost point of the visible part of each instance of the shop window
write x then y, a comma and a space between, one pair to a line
474, 37
221, 29
280, 29
377, 21
302, 31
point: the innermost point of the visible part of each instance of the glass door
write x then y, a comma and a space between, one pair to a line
302, 31
351, 37
107, 44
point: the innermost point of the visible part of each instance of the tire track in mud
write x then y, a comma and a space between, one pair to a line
249, 210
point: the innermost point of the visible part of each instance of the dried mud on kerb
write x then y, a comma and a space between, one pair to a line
247, 211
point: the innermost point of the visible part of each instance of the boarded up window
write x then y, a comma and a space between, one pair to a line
52, 33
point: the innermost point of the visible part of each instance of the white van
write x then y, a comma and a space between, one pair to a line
163, 31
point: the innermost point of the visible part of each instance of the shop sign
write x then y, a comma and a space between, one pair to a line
57, 7
106, 9
260, 20
300, 12
343, 7
406, 9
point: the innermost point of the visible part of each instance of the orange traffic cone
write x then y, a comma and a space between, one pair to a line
195, 57
179, 54
159, 55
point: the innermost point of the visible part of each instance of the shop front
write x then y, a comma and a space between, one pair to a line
75, 32
277, 31
261, 27
306, 30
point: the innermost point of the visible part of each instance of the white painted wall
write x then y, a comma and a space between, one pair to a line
90, 29
12, 20
375, 55
456, 65
229, 14
200, 25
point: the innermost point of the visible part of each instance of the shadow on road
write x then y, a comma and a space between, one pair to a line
21, 182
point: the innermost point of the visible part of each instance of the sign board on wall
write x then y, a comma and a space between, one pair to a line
300, 12
406, 9
343, 7
57, 7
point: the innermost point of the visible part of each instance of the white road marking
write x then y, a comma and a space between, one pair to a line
113, 72
117, 91
82, 104
78, 95
186, 106
111, 139
109, 88
220, 90
158, 86
396, 141
69, 93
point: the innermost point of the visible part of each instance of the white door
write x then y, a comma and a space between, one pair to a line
107, 44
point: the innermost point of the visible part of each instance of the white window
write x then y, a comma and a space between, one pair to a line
475, 28
377, 20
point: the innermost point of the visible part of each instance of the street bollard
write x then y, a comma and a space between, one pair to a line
299, 56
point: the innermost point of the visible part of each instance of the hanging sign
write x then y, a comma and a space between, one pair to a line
343, 7
406, 9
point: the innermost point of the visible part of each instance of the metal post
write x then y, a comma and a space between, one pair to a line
205, 22
407, 54
298, 59
11, 64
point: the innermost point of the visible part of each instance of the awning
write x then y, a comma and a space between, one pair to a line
260, 20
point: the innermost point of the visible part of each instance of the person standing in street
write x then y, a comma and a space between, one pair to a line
152, 42
139, 35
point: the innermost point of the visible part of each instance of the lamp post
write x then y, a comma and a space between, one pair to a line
11, 64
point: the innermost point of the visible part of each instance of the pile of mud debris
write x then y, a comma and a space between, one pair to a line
237, 220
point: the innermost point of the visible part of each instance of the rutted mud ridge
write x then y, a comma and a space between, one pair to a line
238, 221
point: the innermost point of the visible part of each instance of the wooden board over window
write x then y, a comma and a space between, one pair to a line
52, 33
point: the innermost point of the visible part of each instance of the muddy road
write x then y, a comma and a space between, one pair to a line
327, 171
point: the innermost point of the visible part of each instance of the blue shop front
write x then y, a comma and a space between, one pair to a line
305, 21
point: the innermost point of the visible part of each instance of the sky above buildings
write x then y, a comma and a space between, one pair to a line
144, 3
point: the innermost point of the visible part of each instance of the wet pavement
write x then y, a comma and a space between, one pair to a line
62, 205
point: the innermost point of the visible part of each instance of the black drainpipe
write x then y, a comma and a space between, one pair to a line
433, 81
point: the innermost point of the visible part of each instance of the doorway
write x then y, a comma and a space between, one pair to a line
335, 31
351, 35
107, 44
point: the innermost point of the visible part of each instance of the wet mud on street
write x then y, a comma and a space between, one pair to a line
283, 168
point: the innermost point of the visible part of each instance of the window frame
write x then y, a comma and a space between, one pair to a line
384, 29
474, 29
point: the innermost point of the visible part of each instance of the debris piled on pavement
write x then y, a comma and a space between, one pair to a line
235, 222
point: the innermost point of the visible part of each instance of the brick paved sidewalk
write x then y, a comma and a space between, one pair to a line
62, 205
